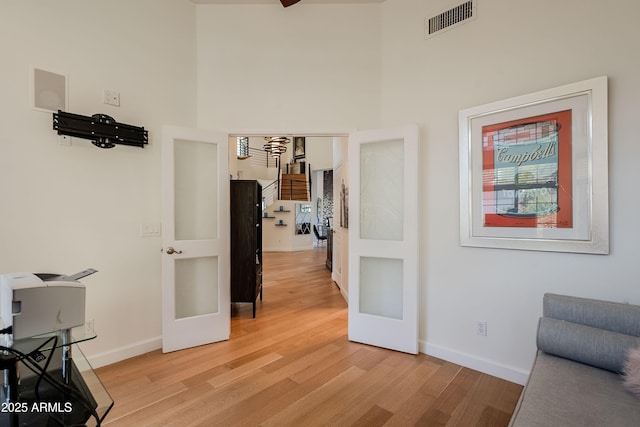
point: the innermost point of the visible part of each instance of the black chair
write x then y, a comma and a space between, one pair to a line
318, 236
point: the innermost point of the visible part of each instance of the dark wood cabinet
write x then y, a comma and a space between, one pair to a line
246, 241
329, 262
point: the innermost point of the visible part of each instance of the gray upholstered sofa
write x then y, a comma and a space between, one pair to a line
575, 380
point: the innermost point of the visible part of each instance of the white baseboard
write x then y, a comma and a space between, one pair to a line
473, 362
345, 295
122, 353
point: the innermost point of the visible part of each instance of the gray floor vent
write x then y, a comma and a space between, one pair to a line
451, 18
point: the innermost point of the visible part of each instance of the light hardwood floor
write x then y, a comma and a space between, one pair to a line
293, 366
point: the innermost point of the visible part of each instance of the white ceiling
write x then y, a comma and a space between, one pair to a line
276, 1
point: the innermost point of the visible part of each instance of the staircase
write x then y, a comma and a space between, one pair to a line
294, 186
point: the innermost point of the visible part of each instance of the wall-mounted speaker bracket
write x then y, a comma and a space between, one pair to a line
102, 130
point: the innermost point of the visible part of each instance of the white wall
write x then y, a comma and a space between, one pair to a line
305, 69
277, 238
319, 152
512, 48
66, 208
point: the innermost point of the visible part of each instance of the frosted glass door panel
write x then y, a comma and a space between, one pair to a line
196, 287
196, 184
382, 190
381, 287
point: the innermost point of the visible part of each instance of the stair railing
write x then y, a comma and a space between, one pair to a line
261, 158
269, 194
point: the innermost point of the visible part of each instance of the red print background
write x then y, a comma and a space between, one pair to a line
564, 215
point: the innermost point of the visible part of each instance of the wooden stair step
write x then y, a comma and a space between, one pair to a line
294, 186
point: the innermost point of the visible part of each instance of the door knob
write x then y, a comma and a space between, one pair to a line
170, 251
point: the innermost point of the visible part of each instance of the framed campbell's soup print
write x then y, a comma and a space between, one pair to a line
533, 171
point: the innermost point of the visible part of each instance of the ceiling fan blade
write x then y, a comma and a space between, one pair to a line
287, 3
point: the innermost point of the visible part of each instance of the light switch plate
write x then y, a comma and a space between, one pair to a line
150, 230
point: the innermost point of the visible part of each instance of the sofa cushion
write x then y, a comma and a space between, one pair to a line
563, 393
596, 347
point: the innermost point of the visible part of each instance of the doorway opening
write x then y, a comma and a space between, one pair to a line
315, 156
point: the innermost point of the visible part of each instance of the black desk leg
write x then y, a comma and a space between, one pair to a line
9, 364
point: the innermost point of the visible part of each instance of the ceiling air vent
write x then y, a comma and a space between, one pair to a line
451, 18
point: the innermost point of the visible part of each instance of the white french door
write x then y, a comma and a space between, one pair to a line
383, 238
195, 229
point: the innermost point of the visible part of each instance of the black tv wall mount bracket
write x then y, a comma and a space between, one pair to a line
102, 130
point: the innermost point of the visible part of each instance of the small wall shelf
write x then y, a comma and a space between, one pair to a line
281, 225
277, 210
268, 217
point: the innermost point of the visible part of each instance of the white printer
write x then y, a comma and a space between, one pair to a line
35, 304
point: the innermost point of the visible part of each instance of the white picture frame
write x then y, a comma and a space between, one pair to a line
534, 171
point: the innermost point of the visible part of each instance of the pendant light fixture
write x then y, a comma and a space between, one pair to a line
276, 145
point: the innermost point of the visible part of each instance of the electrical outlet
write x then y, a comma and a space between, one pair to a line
481, 327
112, 97
89, 326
